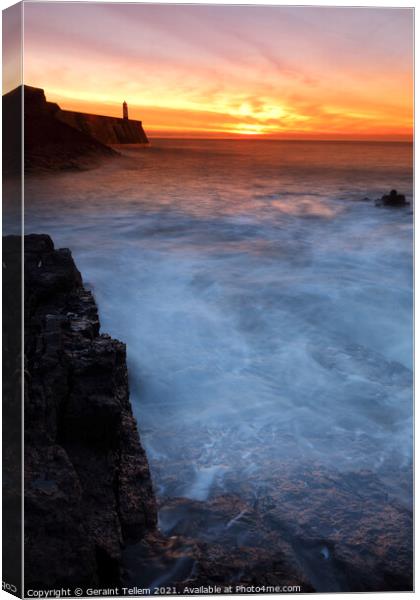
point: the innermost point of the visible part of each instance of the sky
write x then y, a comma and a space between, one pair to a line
228, 71
12, 47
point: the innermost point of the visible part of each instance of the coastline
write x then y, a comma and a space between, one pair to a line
80, 429
88, 490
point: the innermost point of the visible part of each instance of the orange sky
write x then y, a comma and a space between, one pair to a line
280, 72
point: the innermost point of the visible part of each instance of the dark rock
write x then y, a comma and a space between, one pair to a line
87, 484
392, 199
50, 144
12, 412
293, 519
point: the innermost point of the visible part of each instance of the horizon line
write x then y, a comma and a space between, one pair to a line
271, 139
234, 137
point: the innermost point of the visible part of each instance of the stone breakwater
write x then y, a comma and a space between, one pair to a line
88, 490
57, 139
50, 144
108, 130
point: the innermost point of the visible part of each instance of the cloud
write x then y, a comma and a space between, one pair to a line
256, 67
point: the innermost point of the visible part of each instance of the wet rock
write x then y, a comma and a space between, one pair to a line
238, 549
88, 490
159, 561
218, 542
393, 199
347, 532
310, 526
293, 520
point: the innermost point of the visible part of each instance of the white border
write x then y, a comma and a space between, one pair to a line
365, 3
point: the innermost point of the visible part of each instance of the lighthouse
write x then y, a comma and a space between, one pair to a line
125, 110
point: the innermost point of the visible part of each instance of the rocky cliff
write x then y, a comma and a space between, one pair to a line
87, 484
49, 144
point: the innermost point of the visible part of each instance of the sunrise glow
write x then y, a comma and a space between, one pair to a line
228, 71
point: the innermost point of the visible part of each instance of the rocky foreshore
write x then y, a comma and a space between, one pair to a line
88, 490
90, 510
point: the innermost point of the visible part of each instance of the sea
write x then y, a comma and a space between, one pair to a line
266, 303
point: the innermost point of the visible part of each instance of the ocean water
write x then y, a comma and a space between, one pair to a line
266, 307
